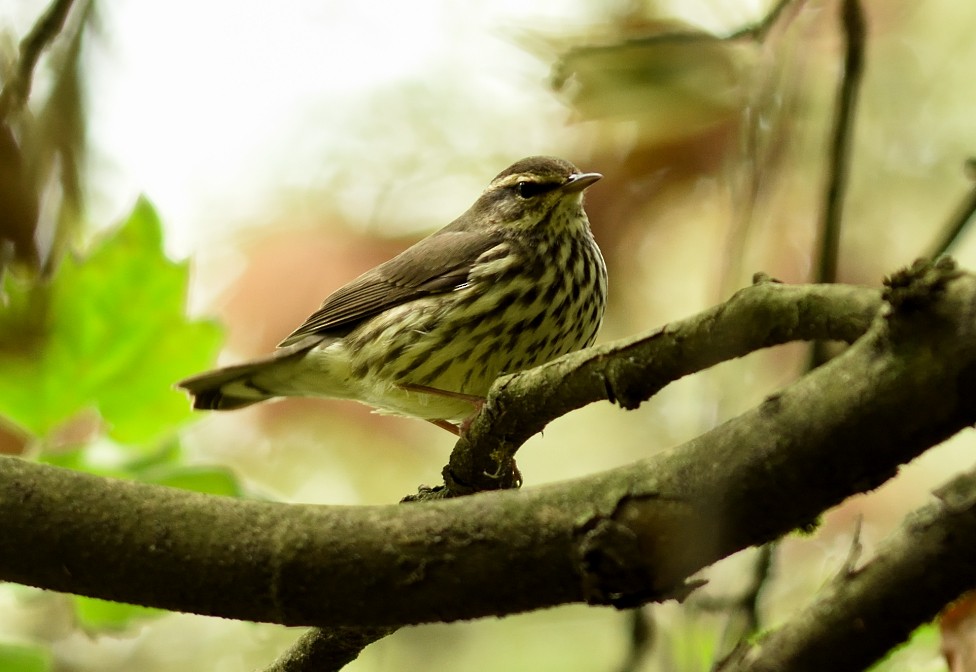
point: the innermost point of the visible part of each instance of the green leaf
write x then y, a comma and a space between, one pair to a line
95, 615
209, 480
921, 653
24, 658
163, 467
108, 332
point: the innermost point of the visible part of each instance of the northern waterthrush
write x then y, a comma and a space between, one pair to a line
514, 282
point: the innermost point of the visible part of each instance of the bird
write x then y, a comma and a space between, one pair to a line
514, 282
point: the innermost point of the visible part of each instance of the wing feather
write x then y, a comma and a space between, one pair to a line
439, 263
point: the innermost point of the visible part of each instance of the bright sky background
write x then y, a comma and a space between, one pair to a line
210, 107
215, 108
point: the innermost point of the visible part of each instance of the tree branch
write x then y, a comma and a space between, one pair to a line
631, 371
327, 649
960, 218
839, 159
864, 612
766, 314
852, 20
622, 537
16, 91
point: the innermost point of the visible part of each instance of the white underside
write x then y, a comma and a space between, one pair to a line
325, 373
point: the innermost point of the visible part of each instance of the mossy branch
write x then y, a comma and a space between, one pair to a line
622, 537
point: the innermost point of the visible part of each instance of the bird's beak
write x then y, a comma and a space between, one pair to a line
580, 181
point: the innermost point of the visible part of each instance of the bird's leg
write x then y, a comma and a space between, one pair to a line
473, 399
457, 430
449, 426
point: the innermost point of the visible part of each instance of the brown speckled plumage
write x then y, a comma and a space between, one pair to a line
515, 281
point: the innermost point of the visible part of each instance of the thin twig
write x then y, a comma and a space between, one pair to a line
327, 649
852, 20
759, 30
641, 639
840, 148
749, 602
854, 552
835, 631
16, 91
743, 611
961, 218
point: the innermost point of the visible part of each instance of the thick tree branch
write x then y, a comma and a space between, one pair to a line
766, 314
622, 537
633, 370
857, 619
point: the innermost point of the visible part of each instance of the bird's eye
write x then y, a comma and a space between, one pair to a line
532, 189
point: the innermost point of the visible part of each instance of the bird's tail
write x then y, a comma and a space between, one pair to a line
237, 386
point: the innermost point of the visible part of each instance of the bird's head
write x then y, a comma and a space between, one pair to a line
536, 191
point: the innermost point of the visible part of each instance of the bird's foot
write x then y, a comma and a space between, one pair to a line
512, 475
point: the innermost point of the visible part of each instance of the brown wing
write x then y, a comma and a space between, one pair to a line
439, 263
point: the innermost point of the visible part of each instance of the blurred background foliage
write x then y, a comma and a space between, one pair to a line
287, 147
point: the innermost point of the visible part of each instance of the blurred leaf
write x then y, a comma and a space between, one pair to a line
681, 81
168, 454
166, 467
920, 653
23, 314
77, 459
162, 467
957, 630
24, 658
209, 480
109, 332
95, 615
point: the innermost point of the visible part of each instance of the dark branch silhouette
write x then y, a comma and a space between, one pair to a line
623, 537
48, 26
960, 218
839, 155
868, 608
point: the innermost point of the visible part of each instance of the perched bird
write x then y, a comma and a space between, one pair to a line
514, 282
